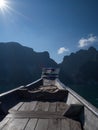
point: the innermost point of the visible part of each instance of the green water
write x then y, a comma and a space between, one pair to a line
89, 92
6, 88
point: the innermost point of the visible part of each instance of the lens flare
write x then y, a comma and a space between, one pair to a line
2, 4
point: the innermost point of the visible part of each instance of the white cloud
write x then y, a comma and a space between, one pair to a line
87, 41
62, 50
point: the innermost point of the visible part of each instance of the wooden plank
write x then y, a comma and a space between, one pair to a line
42, 124
28, 106
35, 114
52, 107
4, 122
75, 125
16, 124
34, 105
16, 107
42, 106
61, 107
65, 124
54, 124
31, 124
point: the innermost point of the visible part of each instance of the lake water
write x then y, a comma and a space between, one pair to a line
6, 88
90, 93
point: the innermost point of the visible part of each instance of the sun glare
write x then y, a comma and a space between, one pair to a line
6, 8
2, 4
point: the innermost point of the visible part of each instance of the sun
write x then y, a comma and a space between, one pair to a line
2, 4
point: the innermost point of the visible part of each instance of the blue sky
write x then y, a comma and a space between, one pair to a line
57, 26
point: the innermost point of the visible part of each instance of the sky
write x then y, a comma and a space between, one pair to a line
57, 26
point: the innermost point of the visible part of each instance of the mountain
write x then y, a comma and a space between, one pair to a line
21, 65
80, 67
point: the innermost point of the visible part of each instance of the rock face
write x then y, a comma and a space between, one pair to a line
80, 67
21, 65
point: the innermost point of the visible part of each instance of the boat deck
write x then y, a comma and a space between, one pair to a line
39, 115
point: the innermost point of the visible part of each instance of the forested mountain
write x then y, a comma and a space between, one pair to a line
20, 65
80, 67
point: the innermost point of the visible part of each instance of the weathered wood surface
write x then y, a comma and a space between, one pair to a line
40, 106
40, 115
31, 124
37, 115
40, 124
16, 124
52, 107
61, 107
4, 122
65, 125
16, 107
28, 106
54, 124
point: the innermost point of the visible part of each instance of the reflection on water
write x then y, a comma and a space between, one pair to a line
89, 92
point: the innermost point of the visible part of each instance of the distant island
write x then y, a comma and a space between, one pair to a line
20, 65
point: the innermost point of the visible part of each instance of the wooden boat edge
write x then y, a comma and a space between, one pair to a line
90, 113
